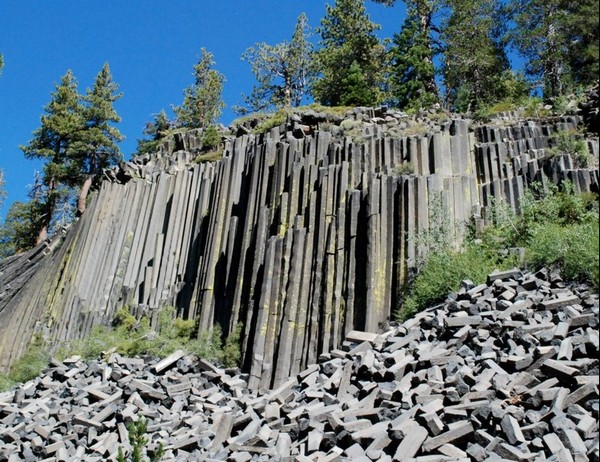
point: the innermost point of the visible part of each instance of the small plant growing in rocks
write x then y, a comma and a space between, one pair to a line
138, 440
571, 143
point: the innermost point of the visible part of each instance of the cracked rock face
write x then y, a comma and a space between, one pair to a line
506, 370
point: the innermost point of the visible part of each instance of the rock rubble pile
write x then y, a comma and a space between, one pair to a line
506, 370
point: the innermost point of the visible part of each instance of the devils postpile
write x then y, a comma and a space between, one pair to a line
302, 232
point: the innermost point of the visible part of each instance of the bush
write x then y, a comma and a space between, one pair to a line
406, 168
560, 206
130, 337
558, 229
571, 142
210, 138
28, 366
572, 249
443, 272
211, 156
231, 351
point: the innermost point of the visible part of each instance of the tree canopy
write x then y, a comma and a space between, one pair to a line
412, 69
56, 142
97, 147
474, 58
559, 41
155, 131
202, 101
76, 141
283, 72
349, 44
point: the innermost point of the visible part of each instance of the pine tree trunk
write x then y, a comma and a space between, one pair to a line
47, 217
85, 189
42, 235
425, 24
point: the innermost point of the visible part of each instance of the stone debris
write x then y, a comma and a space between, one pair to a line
478, 378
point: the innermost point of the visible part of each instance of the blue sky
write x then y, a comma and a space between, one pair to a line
151, 47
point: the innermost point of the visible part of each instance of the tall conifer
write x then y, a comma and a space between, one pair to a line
96, 145
559, 41
202, 101
352, 60
474, 58
55, 142
412, 70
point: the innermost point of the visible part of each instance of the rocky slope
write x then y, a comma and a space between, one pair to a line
302, 232
506, 370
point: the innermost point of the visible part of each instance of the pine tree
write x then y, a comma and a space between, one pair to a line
583, 30
17, 232
283, 72
155, 132
349, 42
1, 63
474, 58
412, 54
55, 142
412, 69
96, 145
202, 101
20, 229
559, 41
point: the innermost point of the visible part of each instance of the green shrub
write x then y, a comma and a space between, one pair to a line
406, 168
124, 318
484, 113
210, 138
534, 108
573, 249
571, 142
5, 383
211, 156
28, 366
271, 121
137, 339
131, 337
558, 229
442, 273
231, 351
208, 344
561, 206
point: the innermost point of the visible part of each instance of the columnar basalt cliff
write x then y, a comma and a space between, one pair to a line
302, 233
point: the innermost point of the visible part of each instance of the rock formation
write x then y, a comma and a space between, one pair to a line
506, 370
302, 233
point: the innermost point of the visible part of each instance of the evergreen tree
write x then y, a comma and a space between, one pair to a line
20, 229
474, 59
155, 132
583, 26
1, 63
559, 40
17, 232
414, 48
412, 69
96, 145
202, 101
349, 43
283, 71
56, 143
